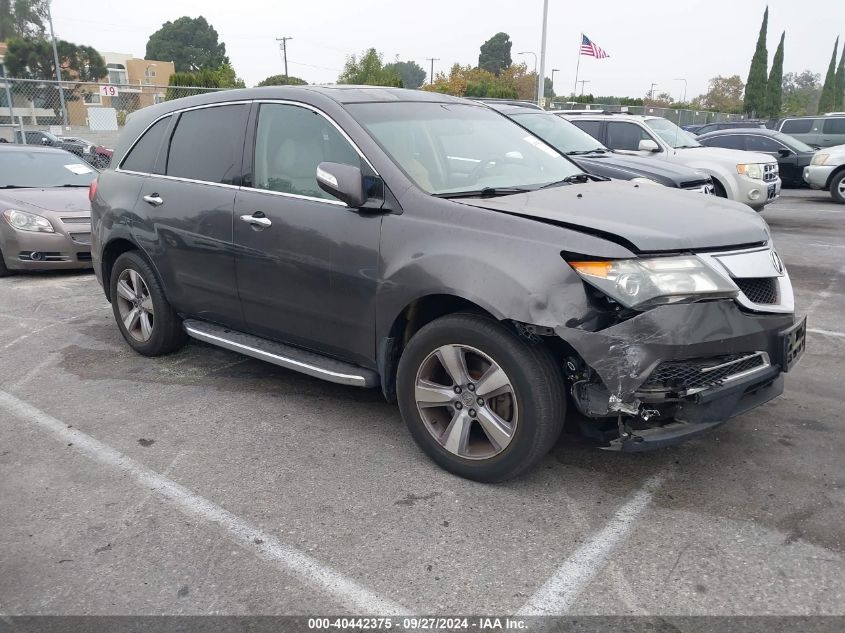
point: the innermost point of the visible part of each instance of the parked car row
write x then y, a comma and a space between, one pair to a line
436, 248
94, 154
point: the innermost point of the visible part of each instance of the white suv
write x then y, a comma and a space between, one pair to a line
746, 177
827, 171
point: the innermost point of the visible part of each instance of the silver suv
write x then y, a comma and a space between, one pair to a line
820, 131
747, 177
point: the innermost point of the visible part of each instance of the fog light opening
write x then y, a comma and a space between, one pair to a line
754, 194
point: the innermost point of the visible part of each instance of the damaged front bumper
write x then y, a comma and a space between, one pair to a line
676, 371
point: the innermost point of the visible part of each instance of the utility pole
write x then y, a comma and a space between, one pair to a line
58, 68
541, 77
651, 91
684, 98
284, 46
582, 82
431, 74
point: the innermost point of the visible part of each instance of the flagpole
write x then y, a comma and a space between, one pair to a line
577, 66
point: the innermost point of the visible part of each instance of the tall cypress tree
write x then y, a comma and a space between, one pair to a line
774, 88
827, 100
755, 87
839, 92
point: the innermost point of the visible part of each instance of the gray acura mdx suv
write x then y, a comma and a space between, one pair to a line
429, 246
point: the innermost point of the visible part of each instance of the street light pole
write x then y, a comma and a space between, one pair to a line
684, 99
541, 78
58, 68
535, 66
554, 70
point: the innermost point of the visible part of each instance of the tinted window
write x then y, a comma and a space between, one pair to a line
625, 135
142, 157
762, 144
731, 141
557, 132
208, 144
834, 126
290, 142
593, 128
707, 128
797, 126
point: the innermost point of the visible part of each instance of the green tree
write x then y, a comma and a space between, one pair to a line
549, 89
495, 54
828, 100
839, 84
22, 19
724, 94
368, 70
774, 87
282, 80
221, 77
755, 88
412, 74
190, 43
801, 92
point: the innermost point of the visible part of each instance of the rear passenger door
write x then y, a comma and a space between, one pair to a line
833, 132
307, 265
184, 212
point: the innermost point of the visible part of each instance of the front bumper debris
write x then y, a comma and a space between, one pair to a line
625, 357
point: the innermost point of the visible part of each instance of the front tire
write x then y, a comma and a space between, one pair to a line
145, 319
4, 272
837, 188
480, 401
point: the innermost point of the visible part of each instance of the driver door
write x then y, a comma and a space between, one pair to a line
625, 137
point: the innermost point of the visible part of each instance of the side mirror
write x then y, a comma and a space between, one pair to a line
784, 153
344, 182
647, 145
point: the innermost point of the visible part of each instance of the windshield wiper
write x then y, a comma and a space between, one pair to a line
575, 178
486, 192
581, 152
15, 187
86, 186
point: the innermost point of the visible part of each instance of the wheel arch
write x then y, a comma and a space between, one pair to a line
833, 175
113, 249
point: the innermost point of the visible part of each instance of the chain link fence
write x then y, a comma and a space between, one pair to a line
79, 117
679, 116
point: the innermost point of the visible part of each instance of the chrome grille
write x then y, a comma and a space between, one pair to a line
770, 172
700, 374
763, 290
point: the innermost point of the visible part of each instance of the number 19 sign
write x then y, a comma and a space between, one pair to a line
109, 91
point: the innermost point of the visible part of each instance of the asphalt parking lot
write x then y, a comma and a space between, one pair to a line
206, 482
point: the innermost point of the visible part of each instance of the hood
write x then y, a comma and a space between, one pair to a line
647, 218
660, 170
58, 200
735, 156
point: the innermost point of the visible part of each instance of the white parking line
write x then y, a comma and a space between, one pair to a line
560, 592
826, 332
306, 568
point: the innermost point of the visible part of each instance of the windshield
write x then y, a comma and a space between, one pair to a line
449, 148
793, 143
671, 134
559, 133
43, 169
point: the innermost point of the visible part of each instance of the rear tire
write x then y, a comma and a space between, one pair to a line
145, 319
837, 188
503, 417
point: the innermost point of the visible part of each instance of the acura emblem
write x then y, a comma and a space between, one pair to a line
777, 262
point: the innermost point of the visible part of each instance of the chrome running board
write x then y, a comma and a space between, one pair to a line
286, 356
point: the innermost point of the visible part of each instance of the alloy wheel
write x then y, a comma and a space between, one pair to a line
466, 401
135, 305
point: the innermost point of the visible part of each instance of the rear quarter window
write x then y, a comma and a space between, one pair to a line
142, 156
834, 126
797, 126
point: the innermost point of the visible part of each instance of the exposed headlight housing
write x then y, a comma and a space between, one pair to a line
645, 283
644, 181
819, 159
23, 221
752, 170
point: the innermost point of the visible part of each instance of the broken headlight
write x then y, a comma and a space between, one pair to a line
644, 283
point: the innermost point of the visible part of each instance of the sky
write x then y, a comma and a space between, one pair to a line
656, 41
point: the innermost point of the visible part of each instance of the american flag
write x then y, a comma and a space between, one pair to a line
590, 49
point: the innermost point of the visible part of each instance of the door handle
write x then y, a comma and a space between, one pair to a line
257, 220
154, 199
